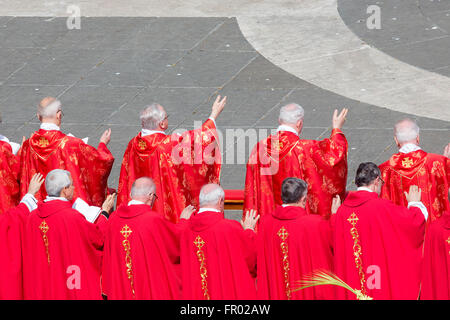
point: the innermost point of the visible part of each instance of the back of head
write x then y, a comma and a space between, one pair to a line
293, 189
406, 130
56, 181
366, 173
49, 107
211, 195
291, 113
151, 116
142, 187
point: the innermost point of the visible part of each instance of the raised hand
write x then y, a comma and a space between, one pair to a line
250, 220
187, 212
108, 204
218, 106
335, 204
35, 183
106, 136
414, 195
447, 151
339, 120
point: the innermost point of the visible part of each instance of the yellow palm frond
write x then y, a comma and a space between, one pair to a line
321, 278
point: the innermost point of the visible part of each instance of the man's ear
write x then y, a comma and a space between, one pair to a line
300, 125
418, 139
396, 141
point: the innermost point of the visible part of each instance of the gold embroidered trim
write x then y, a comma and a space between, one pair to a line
44, 229
199, 243
283, 234
126, 232
448, 242
357, 251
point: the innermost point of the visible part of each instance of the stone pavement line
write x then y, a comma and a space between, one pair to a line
312, 43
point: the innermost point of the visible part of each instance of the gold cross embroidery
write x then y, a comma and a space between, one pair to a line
126, 231
198, 242
283, 234
43, 142
407, 162
142, 144
44, 229
353, 219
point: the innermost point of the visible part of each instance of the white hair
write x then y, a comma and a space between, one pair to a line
291, 113
56, 181
406, 130
210, 194
151, 116
50, 110
142, 187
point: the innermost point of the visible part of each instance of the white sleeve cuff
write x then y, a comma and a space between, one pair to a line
30, 201
421, 206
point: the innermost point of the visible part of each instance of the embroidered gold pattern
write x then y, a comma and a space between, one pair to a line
407, 162
357, 252
283, 234
43, 142
126, 232
199, 243
44, 229
142, 144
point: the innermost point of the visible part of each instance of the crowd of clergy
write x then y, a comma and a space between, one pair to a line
65, 234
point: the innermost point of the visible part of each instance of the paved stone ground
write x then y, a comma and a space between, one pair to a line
105, 73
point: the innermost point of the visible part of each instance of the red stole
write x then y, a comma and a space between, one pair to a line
140, 255
48, 150
218, 259
292, 244
431, 172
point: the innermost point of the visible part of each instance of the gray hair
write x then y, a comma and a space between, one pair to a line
151, 116
210, 194
406, 130
142, 187
49, 107
291, 113
56, 181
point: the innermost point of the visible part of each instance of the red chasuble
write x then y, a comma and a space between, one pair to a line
322, 164
218, 259
48, 150
9, 185
11, 230
436, 270
431, 172
178, 164
292, 244
62, 253
378, 247
140, 254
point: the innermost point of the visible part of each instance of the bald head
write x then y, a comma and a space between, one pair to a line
152, 117
406, 131
212, 196
142, 187
48, 107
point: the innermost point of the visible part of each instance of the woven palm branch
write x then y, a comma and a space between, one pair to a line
321, 278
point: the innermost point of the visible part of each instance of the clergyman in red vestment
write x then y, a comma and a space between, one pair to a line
436, 268
11, 233
62, 250
49, 148
413, 166
9, 171
178, 164
141, 256
218, 256
378, 244
322, 164
291, 244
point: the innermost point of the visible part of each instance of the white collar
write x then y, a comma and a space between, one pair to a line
409, 147
49, 126
135, 202
286, 128
364, 189
146, 132
55, 198
208, 209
